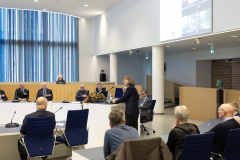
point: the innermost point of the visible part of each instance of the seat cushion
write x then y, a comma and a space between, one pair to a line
61, 139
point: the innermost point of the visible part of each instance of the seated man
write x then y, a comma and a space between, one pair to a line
145, 105
41, 112
81, 94
45, 92
21, 93
99, 85
60, 80
225, 113
3, 96
118, 133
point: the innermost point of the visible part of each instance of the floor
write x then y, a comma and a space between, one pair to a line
162, 124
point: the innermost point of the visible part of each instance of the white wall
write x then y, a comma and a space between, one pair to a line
204, 74
225, 15
130, 24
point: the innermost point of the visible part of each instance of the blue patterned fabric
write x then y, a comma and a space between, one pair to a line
37, 46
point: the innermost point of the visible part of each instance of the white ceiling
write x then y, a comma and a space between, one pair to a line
71, 7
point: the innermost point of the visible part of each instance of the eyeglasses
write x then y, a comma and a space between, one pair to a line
143, 93
220, 109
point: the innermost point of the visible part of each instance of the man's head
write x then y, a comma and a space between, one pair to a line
21, 85
116, 118
82, 87
41, 103
225, 111
99, 86
144, 93
60, 77
44, 85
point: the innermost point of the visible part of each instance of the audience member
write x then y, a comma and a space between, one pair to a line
145, 106
21, 93
41, 105
3, 96
179, 130
45, 92
99, 86
235, 107
118, 133
81, 94
225, 113
60, 80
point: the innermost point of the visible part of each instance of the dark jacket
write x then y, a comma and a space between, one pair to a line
48, 91
221, 133
79, 95
38, 113
238, 114
60, 82
176, 138
3, 95
104, 92
131, 99
145, 108
19, 94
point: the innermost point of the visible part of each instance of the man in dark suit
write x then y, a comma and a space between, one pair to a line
81, 94
60, 80
145, 105
225, 113
41, 112
99, 85
21, 93
3, 96
45, 92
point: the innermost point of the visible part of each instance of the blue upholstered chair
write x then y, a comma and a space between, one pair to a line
145, 120
39, 140
104, 89
232, 146
118, 93
197, 146
76, 132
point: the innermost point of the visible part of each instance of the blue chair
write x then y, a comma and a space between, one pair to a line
232, 146
197, 146
118, 93
76, 132
145, 120
39, 140
104, 89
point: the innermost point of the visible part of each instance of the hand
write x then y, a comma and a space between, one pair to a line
84, 95
75, 99
1, 100
114, 100
22, 99
174, 125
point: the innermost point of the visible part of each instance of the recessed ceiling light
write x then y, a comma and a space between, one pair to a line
194, 48
85, 5
209, 44
44, 9
234, 36
35, 0
167, 46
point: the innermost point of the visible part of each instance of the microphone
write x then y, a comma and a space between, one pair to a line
12, 125
110, 89
58, 110
66, 98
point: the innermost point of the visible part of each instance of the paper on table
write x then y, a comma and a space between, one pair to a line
60, 124
75, 102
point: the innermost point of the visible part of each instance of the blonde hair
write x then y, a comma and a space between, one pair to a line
235, 105
116, 117
130, 79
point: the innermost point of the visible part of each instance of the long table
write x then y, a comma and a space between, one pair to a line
97, 124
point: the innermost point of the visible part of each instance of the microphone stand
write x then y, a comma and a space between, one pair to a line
12, 125
66, 98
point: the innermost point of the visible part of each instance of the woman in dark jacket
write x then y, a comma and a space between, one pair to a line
131, 99
60, 80
180, 129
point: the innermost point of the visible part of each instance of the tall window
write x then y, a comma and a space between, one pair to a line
37, 46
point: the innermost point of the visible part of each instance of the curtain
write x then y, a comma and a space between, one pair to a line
37, 46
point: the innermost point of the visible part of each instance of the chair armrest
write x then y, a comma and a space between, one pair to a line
217, 155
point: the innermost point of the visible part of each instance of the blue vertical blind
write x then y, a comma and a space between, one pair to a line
37, 46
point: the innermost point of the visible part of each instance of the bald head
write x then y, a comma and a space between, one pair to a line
82, 87
60, 77
41, 103
225, 111
21, 85
44, 85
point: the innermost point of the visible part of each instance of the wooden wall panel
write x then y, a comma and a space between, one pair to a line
60, 92
149, 84
232, 95
201, 102
236, 73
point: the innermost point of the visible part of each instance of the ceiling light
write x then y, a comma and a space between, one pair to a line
194, 48
35, 0
234, 36
44, 9
197, 41
130, 51
167, 46
85, 5
209, 44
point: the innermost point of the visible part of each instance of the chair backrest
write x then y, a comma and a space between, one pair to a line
153, 105
76, 127
39, 138
197, 146
118, 93
232, 146
104, 89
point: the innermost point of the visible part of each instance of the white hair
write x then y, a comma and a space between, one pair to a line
60, 75
182, 112
44, 83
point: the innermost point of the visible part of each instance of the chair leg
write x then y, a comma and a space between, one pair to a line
143, 128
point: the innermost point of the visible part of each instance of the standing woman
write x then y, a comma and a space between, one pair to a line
131, 99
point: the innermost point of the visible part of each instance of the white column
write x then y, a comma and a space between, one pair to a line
114, 68
158, 78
